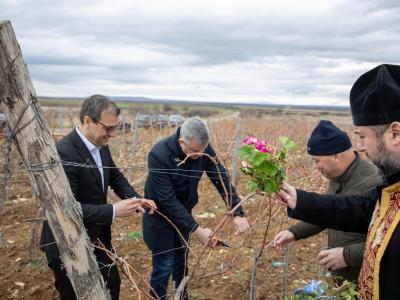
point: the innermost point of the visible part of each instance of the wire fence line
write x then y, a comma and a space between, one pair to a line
182, 172
225, 216
33, 168
89, 165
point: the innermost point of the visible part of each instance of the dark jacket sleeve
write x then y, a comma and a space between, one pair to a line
350, 213
92, 213
354, 254
212, 173
166, 200
119, 183
303, 230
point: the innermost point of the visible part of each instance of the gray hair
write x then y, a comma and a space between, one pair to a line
94, 105
195, 128
379, 130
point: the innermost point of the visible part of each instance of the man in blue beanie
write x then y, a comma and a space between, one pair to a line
375, 108
331, 151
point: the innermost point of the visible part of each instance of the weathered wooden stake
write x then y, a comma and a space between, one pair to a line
285, 271
133, 149
36, 147
236, 152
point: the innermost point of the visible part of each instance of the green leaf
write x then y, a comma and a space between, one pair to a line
269, 168
252, 186
287, 143
245, 152
257, 158
282, 154
281, 172
270, 187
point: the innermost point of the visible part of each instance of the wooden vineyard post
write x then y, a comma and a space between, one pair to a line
36, 148
236, 152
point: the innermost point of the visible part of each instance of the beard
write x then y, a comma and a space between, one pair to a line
386, 162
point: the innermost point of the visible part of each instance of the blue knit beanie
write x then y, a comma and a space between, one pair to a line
327, 139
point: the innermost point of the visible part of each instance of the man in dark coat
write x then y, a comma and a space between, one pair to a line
174, 189
87, 145
375, 107
331, 151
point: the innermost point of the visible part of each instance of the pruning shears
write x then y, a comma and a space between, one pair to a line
221, 243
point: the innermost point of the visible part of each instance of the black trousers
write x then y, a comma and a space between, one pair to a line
110, 276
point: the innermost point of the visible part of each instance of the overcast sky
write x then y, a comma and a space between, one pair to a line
299, 52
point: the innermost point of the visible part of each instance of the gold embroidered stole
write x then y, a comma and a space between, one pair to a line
383, 223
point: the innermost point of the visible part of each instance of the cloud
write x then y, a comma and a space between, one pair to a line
285, 52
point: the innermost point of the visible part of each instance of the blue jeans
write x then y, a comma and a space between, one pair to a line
167, 263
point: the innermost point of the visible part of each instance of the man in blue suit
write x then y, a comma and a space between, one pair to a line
174, 190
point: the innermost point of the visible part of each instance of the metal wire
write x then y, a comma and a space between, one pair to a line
53, 163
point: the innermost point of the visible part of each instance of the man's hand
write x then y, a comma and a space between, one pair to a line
332, 259
241, 224
146, 203
203, 235
282, 238
127, 207
287, 195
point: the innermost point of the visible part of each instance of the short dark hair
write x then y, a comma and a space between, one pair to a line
94, 105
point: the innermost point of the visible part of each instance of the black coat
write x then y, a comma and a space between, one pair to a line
88, 190
354, 213
174, 189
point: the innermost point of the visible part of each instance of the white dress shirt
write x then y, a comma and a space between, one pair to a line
95, 152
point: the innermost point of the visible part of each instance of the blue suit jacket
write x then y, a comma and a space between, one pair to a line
174, 189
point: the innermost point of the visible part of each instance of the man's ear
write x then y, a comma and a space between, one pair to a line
181, 142
395, 133
86, 120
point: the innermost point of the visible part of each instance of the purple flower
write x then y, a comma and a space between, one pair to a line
260, 147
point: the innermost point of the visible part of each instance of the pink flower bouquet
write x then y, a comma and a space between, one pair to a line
264, 164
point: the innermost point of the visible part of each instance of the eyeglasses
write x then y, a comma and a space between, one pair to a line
107, 129
192, 150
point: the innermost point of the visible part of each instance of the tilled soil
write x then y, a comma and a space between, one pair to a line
26, 278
